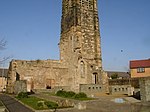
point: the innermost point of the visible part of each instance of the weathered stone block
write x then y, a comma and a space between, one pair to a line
145, 89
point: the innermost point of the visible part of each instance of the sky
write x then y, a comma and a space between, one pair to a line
32, 30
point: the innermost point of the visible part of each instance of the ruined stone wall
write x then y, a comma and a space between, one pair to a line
145, 89
20, 86
39, 74
92, 89
121, 89
134, 82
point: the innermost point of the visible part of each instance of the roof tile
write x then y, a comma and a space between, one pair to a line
139, 63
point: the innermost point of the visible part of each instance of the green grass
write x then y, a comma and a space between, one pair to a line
48, 93
81, 99
72, 95
33, 102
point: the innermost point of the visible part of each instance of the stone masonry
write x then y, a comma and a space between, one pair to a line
80, 53
145, 89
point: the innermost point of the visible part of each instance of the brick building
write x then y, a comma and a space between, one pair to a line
140, 68
3, 79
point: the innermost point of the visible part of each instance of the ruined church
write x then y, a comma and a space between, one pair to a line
80, 60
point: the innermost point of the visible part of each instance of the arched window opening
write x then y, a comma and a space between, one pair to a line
82, 69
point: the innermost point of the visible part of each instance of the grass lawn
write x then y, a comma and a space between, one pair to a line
81, 99
33, 102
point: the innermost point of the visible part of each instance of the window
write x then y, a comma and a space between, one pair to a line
140, 70
82, 69
95, 77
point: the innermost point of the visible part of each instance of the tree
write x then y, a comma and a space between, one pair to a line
3, 43
114, 76
2, 61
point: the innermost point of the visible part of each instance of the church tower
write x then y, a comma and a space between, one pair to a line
80, 42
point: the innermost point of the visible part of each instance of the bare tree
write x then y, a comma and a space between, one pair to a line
3, 44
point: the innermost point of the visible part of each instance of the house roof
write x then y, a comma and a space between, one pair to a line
120, 74
139, 63
3, 72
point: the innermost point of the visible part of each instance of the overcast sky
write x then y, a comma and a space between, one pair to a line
32, 30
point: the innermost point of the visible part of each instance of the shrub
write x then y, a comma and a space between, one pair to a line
80, 95
70, 94
51, 105
61, 93
40, 104
66, 94
23, 95
114, 76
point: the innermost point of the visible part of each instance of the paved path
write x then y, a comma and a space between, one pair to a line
12, 105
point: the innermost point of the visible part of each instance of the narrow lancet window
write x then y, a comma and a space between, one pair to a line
82, 69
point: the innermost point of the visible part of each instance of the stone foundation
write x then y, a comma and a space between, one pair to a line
92, 89
121, 89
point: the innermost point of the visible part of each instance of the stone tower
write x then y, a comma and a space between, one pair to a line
80, 42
